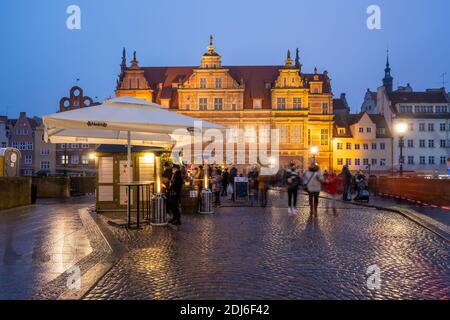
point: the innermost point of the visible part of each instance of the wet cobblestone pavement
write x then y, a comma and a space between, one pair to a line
38, 243
256, 253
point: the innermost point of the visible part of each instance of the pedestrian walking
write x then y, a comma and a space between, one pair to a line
313, 183
331, 187
225, 175
175, 188
293, 181
346, 183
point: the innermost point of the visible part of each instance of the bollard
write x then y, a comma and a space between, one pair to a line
159, 214
206, 202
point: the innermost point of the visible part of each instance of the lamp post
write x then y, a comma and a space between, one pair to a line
401, 129
314, 150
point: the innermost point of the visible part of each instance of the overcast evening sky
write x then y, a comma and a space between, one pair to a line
40, 58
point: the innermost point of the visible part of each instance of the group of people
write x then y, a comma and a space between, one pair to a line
313, 181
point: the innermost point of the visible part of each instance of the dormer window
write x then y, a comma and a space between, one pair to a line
341, 130
369, 130
202, 83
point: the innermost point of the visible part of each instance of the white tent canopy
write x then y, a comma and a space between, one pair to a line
126, 121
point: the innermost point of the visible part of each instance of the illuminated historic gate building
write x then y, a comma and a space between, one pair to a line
248, 97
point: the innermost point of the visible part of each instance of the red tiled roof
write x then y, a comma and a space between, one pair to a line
255, 79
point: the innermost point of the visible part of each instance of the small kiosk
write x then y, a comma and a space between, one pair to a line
111, 166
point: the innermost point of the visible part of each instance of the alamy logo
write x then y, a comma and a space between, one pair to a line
374, 20
73, 21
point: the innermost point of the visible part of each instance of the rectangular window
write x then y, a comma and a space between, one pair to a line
218, 83
410, 143
74, 145
365, 161
341, 130
357, 146
366, 146
297, 103
443, 160
382, 162
45, 152
431, 127
75, 159
374, 162
348, 146
421, 143
411, 127
442, 127
421, 126
410, 159
324, 137
430, 160
84, 159
203, 104
340, 161
422, 160
85, 146
281, 103
45, 165
443, 144
374, 146
339, 146
382, 146
369, 130
28, 159
202, 83
348, 161
22, 146
309, 137
325, 108
430, 143
361, 130
29, 145
218, 104
64, 159
357, 162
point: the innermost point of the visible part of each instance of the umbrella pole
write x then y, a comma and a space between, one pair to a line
130, 171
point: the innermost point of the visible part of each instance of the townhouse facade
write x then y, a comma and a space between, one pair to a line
21, 136
427, 116
45, 153
362, 142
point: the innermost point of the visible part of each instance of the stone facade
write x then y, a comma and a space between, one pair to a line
245, 97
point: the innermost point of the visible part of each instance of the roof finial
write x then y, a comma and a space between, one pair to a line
315, 70
298, 65
210, 39
134, 55
289, 54
387, 58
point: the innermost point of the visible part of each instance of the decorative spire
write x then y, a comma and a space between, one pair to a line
315, 70
134, 62
288, 61
124, 57
298, 65
388, 79
211, 49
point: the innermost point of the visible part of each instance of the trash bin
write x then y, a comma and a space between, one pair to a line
206, 202
33, 193
159, 213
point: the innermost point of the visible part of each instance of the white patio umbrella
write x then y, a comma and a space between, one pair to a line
126, 121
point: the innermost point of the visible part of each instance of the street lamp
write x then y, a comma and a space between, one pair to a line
314, 150
401, 129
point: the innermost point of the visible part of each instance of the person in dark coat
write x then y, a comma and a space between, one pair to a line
225, 175
346, 182
233, 174
175, 189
